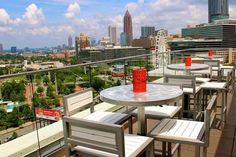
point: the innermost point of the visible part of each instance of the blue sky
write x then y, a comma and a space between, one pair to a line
39, 23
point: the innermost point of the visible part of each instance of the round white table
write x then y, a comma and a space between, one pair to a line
155, 95
187, 69
206, 56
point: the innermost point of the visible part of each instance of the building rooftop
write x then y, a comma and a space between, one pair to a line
51, 138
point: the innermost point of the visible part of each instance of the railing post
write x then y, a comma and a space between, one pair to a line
33, 106
125, 71
56, 87
90, 76
147, 67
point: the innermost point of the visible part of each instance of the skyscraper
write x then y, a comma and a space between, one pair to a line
70, 41
123, 39
128, 28
1, 47
112, 34
147, 31
218, 9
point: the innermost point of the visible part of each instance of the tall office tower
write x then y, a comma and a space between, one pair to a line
218, 9
112, 34
123, 39
147, 31
70, 41
128, 28
1, 47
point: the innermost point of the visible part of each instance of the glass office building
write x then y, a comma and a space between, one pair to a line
147, 31
218, 9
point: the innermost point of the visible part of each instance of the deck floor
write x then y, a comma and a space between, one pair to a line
222, 142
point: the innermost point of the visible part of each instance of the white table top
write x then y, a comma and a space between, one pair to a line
155, 95
193, 67
209, 57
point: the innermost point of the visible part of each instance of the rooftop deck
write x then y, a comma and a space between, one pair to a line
222, 142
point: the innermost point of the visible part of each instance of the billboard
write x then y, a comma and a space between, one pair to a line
54, 115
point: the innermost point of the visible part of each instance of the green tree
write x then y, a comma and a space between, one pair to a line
46, 79
118, 83
50, 91
14, 91
3, 115
40, 89
98, 84
13, 119
27, 113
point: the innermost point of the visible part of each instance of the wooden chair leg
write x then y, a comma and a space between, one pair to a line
130, 124
204, 151
197, 151
169, 149
163, 149
179, 151
150, 150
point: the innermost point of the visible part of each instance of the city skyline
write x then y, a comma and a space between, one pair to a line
49, 23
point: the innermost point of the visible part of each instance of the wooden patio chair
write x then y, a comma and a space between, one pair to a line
190, 89
186, 132
95, 139
82, 100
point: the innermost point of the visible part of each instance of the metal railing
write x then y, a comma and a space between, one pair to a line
176, 57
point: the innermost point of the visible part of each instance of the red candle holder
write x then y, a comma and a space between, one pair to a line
188, 61
210, 53
139, 80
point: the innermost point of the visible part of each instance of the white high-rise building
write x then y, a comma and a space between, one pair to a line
112, 34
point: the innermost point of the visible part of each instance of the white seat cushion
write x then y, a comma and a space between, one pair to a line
214, 85
190, 90
202, 80
106, 117
161, 112
226, 67
133, 146
215, 68
183, 130
202, 72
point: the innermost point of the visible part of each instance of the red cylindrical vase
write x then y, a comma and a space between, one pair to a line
210, 53
188, 61
139, 80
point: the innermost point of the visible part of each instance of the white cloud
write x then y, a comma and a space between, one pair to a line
141, 1
117, 21
131, 7
72, 11
39, 31
232, 11
5, 29
33, 15
64, 28
4, 17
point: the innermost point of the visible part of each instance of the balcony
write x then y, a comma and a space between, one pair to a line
40, 137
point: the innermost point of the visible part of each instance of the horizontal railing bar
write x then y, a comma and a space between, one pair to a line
98, 62
71, 66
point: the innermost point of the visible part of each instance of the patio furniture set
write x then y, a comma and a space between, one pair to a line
185, 105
